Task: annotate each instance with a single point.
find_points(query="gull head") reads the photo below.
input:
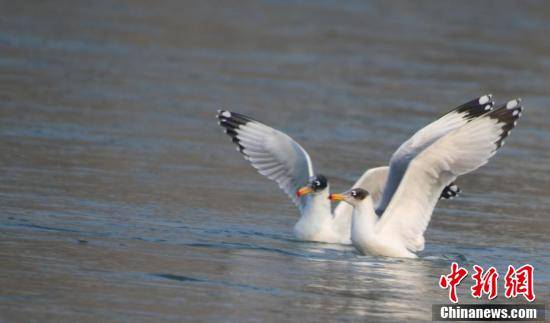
(352, 197)
(316, 184)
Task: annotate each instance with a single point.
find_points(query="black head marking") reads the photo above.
(358, 194)
(318, 182)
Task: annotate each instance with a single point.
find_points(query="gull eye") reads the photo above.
(317, 183)
(359, 194)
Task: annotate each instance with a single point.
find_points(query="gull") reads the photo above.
(277, 156)
(423, 165)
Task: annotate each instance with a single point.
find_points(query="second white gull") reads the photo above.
(419, 169)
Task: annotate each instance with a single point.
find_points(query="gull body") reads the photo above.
(317, 223)
(399, 231)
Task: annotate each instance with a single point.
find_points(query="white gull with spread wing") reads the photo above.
(422, 166)
(278, 157)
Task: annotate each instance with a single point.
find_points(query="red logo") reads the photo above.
(519, 282)
(452, 280)
(485, 283)
(516, 282)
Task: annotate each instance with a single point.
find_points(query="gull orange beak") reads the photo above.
(303, 191)
(336, 197)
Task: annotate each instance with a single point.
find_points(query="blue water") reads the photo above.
(122, 200)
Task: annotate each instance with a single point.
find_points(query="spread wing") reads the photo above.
(458, 152)
(452, 120)
(273, 153)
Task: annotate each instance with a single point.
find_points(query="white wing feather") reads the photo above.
(454, 119)
(459, 152)
(273, 153)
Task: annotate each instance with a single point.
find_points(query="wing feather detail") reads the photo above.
(458, 152)
(271, 152)
(452, 120)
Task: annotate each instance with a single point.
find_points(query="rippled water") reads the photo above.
(121, 200)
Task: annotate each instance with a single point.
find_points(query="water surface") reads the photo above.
(122, 200)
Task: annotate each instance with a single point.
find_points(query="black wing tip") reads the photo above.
(476, 107)
(450, 192)
(233, 116)
(508, 115)
(231, 121)
(221, 113)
